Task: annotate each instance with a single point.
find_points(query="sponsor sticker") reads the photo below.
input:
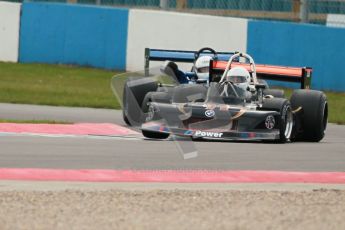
(270, 122)
(209, 113)
(200, 133)
(188, 132)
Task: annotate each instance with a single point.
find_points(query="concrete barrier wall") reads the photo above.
(169, 30)
(292, 44)
(115, 38)
(9, 31)
(74, 34)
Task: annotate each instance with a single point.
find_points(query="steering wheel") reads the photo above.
(212, 51)
(227, 84)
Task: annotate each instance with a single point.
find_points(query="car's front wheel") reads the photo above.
(155, 135)
(285, 123)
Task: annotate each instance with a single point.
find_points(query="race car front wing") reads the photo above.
(211, 134)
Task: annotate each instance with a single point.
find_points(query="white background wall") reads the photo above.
(336, 20)
(169, 30)
(9, 31)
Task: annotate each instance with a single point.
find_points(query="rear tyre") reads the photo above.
(263, 82)
(161, 97)
(155, 135)
(277, 93)
(189, 93)
(282, 106)
(314, 116)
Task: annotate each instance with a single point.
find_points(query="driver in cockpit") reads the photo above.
(240, 78)
(199, 74)
(202, 69)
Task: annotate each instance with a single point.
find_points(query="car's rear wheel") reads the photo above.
(282, 106)
(161, 97)
(278, 93)
(263, 82)
(155, 135)
(314, 114)
(189, 93)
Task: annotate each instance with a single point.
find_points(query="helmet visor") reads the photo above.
(205, 69)
(237, 79)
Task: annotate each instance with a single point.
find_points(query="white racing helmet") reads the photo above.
(240, 77)
(202, 67)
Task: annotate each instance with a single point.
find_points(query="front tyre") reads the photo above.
(125, 118)
(155, 135)
(286, 124)
(282, 106)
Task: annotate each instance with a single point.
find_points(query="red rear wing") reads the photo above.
(267, 72)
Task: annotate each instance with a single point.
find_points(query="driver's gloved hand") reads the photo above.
(251, 88)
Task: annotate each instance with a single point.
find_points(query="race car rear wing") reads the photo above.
(268, 72)
(178, 56)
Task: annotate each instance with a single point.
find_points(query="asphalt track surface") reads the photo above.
(21, 151)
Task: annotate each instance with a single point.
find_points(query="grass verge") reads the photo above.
(44, 84)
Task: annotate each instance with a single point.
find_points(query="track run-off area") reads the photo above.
(97, 173)
(102, 142)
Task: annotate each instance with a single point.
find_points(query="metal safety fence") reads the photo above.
(314, 11)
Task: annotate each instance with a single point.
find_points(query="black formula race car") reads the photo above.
(160, 106)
